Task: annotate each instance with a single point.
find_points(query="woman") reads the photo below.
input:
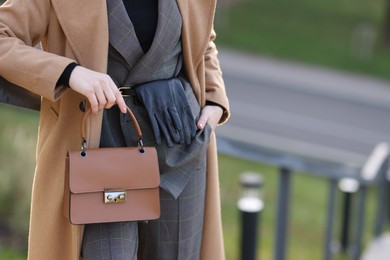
(82, 64)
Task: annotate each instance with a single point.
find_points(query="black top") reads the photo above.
(144, 15)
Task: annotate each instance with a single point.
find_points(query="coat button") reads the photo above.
(83, 105)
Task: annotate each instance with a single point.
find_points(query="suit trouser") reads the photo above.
(177, 233)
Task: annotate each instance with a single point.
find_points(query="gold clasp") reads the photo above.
(115, 196)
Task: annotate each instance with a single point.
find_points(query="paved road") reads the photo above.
(311, 112)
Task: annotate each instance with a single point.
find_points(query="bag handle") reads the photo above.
(135, 123)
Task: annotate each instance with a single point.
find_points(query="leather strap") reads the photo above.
(135, 123)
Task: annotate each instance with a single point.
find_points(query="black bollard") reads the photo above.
(348, 186)
(250, 205)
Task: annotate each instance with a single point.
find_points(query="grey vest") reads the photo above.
(128, 65)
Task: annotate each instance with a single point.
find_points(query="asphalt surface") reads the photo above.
(302, 110)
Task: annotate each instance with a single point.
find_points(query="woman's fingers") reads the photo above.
(101, 97)
(94, 103)
(99, 89)
(121, 102)
(210, 115)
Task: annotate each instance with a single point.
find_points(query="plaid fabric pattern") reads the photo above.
(110, 241)
(122, 32)
(163, 60)
(178, 232)
(176, 235)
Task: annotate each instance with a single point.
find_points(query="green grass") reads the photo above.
(310, 31)
(11, 254)
(18, 132)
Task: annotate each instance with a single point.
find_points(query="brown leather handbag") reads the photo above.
(112, 184)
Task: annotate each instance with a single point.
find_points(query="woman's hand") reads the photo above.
(211, 115)
(99, 89)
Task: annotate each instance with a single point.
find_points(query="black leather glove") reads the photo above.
(169, 111)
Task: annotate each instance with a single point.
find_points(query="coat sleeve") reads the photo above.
(23, 24)
(215, 86)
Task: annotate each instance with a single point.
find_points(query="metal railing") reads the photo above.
(353, 183)
(373, 173)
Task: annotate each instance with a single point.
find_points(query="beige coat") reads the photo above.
(74, 30)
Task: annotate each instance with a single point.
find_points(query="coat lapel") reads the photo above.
(85, 22)
(167, 33)
(122, 33)
(163, 51)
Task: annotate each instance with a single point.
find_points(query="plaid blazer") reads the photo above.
(163, 60)
(129, 65)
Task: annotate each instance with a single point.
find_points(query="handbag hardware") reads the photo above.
(115, 196)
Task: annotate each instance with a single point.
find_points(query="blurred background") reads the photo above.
(309, 86)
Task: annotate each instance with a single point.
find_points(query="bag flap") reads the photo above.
(113, 168)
